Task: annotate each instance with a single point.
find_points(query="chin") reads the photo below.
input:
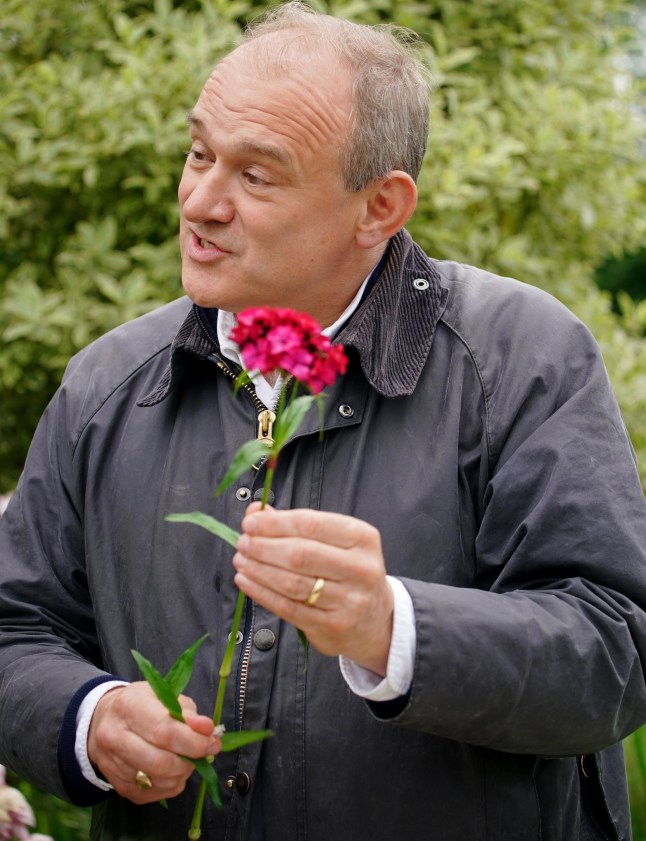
(212, 299)
(205, 294)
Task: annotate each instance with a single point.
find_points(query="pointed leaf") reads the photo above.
(182, 669)
(159, 686)
(320, 405)
(302, 638)
(248, 455)
(198, 518)
(239, 738)
(289, 420)
(210, 777)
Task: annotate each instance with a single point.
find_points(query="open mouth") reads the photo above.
(200, 247)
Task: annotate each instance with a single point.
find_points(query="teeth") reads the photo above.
(206, 244)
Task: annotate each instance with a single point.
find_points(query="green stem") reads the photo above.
(269, 475)
(225, 669)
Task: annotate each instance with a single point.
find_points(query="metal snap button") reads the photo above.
(421, 283)
(230, 783)
(345, 410)
(243, 494)
(243, 782)
(264, 639)
(270, 496)
(238, 637)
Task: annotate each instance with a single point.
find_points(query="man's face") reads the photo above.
(265, 218)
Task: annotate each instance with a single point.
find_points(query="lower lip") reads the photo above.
(202, 255)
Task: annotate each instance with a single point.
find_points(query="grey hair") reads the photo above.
(390, 90)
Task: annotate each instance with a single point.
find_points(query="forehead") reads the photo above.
(297, 111)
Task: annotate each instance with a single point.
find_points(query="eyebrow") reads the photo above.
(246, 147)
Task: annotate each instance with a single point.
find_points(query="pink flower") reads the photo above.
(15, 815)
(288, 341)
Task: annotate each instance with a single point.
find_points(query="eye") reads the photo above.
(197, 156)
(253, 179)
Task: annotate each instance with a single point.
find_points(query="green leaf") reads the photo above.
(182, 669)
(291, 418)
(159, 686)
(198, 518)
(240, 738)
(242, 379)
(248, 454)
(302, 638)
(210, 777)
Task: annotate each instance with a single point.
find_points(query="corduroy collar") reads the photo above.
(392, 330)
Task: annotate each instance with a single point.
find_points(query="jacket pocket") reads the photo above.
(594, 801)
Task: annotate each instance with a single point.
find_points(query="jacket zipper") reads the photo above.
(244, 664)
(266, 419)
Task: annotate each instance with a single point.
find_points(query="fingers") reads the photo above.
(327, 527)
(282, 554)
(132, 731)
(309, 543)
(281, 580)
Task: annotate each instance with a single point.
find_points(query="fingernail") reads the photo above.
(250, 523)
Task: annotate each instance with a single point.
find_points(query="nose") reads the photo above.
(204, 196)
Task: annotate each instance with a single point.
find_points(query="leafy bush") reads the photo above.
(532, 167)
(92, 128)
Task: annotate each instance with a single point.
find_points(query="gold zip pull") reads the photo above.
(266, 420)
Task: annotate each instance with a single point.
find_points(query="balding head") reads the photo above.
(388, 123)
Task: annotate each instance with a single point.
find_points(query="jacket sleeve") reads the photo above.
(545, 655)
(48, 641)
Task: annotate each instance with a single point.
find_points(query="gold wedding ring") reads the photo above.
(315, 592)
(143, 781)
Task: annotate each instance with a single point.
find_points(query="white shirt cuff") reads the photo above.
(83, 719)
(401, 658)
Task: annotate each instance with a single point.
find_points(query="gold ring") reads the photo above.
(315, 592)
(143, 781)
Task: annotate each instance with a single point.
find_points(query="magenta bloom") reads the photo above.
(290, 341)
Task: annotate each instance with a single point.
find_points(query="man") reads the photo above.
(473, 511)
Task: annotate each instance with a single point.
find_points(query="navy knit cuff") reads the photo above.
(389, 709)
(78, 789)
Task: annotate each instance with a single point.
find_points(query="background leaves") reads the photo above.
(534, 167)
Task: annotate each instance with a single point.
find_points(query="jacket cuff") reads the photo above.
(389, 709)
(79, 791)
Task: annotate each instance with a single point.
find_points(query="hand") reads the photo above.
(132, 731)
(282, 553)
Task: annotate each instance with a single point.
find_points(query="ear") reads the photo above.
(389, 205)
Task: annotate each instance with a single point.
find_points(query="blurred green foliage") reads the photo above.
(533, 167)
(533, 170)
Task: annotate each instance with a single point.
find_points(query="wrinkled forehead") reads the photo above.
(306, 113)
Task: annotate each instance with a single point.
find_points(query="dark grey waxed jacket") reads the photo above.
(477, 431)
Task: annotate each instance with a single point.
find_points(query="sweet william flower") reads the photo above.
(282, 339)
